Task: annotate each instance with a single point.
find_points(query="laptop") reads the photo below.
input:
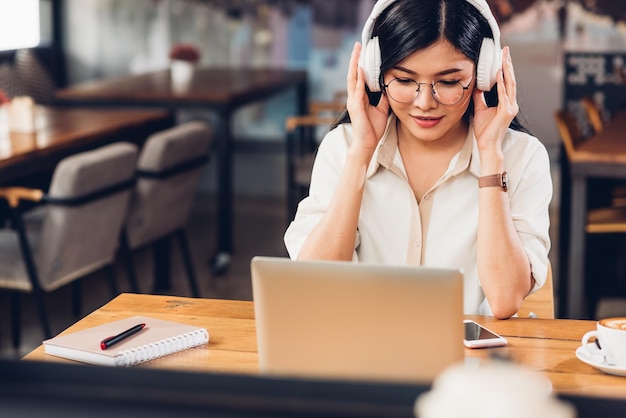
(356, 321)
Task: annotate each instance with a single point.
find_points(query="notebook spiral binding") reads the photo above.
(161, 348)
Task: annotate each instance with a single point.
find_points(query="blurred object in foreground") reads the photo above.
(493, 389)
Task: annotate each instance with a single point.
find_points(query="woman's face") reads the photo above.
(425, 118)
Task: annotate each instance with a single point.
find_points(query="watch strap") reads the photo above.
(493, 180)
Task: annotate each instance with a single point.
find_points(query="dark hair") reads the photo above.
(407, 26)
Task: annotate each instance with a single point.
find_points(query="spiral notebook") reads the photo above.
(158, 338)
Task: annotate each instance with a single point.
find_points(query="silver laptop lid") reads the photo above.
(356, 321)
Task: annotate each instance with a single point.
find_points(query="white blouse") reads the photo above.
(441, 230)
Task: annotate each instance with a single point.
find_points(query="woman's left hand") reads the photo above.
(491, 123)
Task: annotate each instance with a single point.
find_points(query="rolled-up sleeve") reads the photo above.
(529, 204)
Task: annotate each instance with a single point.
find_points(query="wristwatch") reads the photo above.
(495, 180)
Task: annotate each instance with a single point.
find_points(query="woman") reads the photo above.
(415, 176)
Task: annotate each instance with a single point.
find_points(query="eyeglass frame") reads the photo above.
(432, 89)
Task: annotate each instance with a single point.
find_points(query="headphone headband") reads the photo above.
(485, 10)
(490, 57)
(369, 25)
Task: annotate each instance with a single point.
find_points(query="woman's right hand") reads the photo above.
(368, 122)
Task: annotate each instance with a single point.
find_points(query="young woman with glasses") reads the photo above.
(430, 165)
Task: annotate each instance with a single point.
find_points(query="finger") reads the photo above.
(383, 103)
(507, 104)
(503, 98)
(353, 68)
(479, 100)
(509, 75)
(508, 63)
(359, 86)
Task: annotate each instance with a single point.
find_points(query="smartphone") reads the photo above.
(477, 336)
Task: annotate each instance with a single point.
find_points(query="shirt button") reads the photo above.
(416, 243)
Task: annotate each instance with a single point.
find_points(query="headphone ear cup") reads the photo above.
(489, 62)
(371, 64)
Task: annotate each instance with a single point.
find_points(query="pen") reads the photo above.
(109, 341)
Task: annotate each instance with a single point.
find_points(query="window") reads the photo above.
(19, 24)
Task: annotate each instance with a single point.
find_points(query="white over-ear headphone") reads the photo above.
(489, 58)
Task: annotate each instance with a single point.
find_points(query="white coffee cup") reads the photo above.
(610, 334)
(491, 389)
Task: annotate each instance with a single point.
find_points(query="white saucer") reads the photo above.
(597, 360)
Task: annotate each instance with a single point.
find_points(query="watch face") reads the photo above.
(505, 181)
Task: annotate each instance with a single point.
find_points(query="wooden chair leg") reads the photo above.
(185, 252)
(16, 319)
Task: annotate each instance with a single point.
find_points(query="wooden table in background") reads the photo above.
(61, 132)
(547, 346)
(602, 156)
(222, 90)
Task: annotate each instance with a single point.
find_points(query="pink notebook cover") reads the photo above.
(159, 338)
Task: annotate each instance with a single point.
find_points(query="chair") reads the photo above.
(303, 136)
(569, 131)
(609, 219)
(73, 231)
(597, 122)
(606, 217)
(541, 303)
(593, 113)
(168, 171)
(329, 108)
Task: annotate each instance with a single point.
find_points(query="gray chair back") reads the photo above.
(88, 199)
(168, 171)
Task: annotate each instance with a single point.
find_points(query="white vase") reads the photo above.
(22, 115)
(4, 119)
(181, 73)
(5, 136)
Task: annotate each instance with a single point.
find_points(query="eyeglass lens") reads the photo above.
(406, 90)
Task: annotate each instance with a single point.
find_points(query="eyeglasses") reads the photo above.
(405, 90)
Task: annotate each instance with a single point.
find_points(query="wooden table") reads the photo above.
(544, 345)
(61, 132)
(602, 156)
(222, 90)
